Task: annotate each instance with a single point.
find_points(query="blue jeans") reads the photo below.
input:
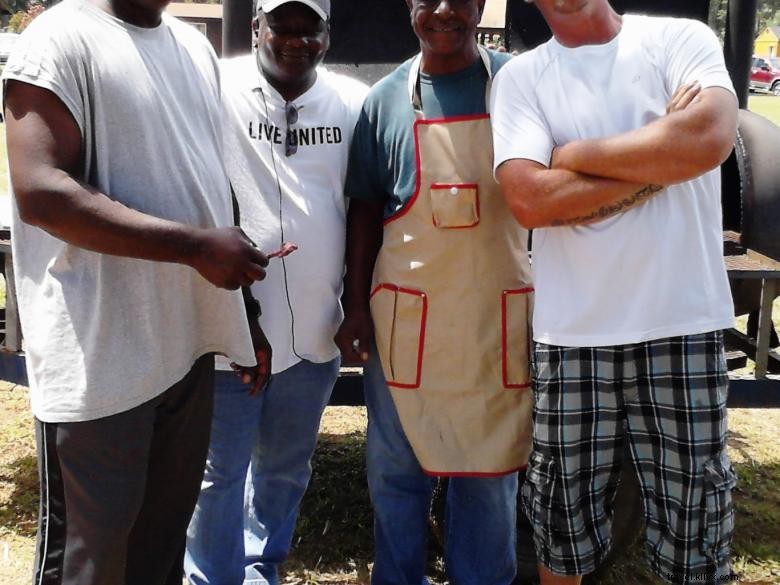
(480, 517)
(257, 471)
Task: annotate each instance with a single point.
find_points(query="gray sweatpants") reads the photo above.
(117, 493)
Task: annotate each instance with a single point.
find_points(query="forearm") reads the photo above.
(251, 304)
(44, 146)
(81, 215)
(364, 238)
(646, 155)
(45, 161)
(541, 197)
(616, 199)
(672, 149)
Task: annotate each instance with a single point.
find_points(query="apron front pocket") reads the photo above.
(455, 205)
(399, 316)
(515, 354)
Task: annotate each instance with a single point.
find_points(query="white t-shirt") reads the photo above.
(312, 214)
(656, 270)
(104, 334)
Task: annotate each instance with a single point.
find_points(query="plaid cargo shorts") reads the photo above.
(668, 397)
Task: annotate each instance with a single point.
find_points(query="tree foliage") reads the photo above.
(15, 23)
(717, 20)
(22, 19)
(767, 13)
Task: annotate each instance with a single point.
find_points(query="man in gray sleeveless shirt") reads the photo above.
(123, 246)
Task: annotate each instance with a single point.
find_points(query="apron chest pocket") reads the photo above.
(399, 317)
(455, 205)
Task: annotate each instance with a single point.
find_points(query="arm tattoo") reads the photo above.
(612, 209)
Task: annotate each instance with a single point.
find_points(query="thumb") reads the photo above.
(360, 348)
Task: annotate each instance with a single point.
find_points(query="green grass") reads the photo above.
(3, 163)
(766, 105)
(333, 539)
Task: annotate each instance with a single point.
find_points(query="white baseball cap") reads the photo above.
(321, 7)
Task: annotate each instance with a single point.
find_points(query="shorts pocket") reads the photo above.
(515, 354)
(399, 316)
(455, 205)
(538, 497)
(717, 513)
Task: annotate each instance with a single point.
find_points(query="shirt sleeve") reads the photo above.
(498, 60)
(362, 180)
(693, 54)
(357, 96)
(45, 56)
(520, 130)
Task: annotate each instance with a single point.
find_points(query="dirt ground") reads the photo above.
(333, 540)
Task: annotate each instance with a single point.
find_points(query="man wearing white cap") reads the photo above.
(287, 129)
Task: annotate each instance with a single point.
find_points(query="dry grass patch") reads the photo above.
(755, 451)
(333, 542)
(18, 486)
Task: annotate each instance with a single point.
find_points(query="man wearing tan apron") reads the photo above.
(446, 285)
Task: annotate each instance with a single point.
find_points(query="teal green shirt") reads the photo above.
(381, 159)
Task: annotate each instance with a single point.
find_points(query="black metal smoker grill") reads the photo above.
(370, 38)
(752, 254)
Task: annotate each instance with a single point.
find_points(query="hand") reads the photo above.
(354, 336)
(685, 95)
(256, 377)
(555, 158)
(227, 258)
(560, 157)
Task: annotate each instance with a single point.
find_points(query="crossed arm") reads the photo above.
(590, 180)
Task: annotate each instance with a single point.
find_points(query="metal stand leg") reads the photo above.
(768, 293)
(13, 330)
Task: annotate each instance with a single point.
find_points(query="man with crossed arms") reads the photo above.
(631, 287)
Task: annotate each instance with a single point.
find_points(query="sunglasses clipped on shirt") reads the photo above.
(290, 137)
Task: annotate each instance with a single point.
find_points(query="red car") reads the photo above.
(765, 74)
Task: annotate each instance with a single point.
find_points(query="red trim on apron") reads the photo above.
(417, 180)
(421, 338)
(504, 335)
(467, 118)
(448, 186)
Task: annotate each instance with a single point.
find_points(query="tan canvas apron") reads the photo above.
(450, 301)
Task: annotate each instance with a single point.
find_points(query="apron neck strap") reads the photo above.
(415, 93)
